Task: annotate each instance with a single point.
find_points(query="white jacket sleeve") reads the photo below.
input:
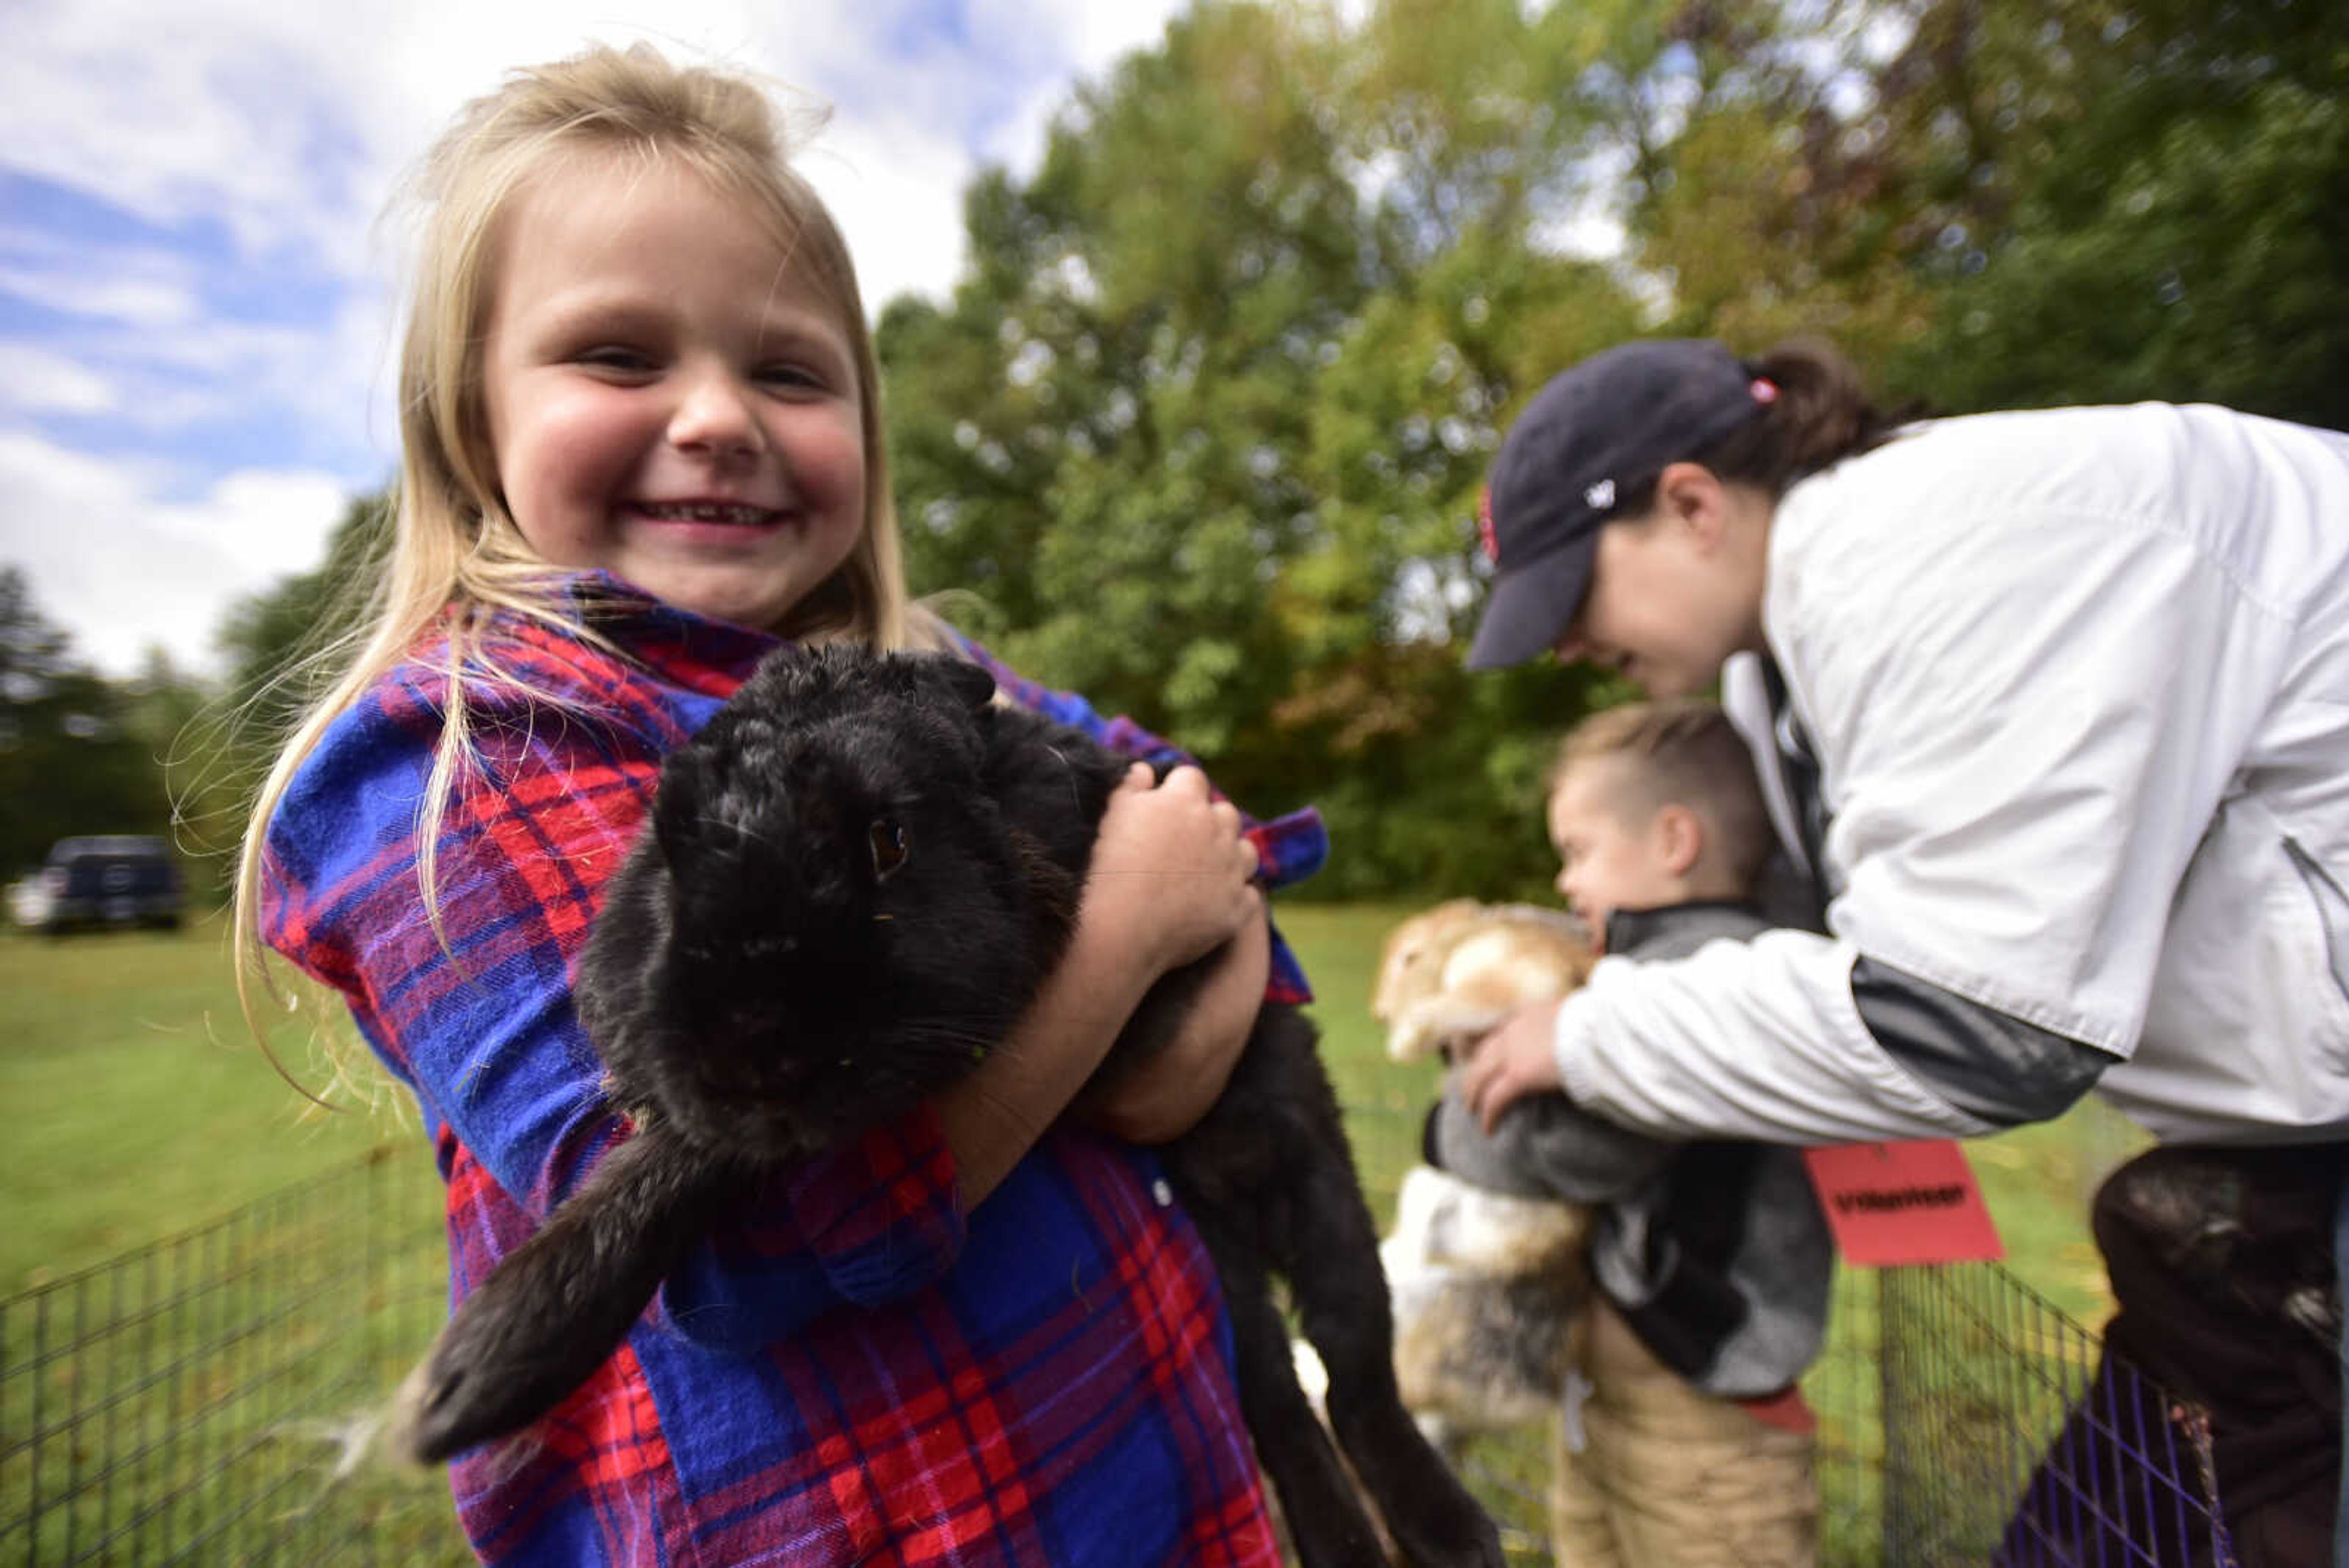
(1755, 1040)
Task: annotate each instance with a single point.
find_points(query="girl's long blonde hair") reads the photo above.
(456, 559)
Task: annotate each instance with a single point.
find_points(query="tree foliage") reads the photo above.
(280, 642)
(283, 645)
(2165, 211)
(1203, 425)
(78, 753)
(2005, 204)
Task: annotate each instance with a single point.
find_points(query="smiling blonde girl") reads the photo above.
(640, 446)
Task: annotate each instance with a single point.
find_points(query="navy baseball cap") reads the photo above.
(1595, 433)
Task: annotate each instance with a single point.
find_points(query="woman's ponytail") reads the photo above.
(1815, 413)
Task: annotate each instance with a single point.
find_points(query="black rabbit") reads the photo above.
(854, 880)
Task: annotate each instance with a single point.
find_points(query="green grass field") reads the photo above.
(142, 1104)
(142, 1108)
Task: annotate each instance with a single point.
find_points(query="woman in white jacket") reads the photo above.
(2053, 710)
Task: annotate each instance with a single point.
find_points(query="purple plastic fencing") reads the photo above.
(2012, 1438)
(2125, 1482)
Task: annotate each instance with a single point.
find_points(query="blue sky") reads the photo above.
(197, 296)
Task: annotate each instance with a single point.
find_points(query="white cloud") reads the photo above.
(140, 285)
(290, 126)
(124, 570)
(1090, 39)
(37, 381)
(174, 114)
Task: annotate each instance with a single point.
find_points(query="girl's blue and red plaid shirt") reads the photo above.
(859, 1371)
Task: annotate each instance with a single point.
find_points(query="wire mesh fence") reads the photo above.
(2010, 1438)
(211, 1398)
(1963, 1419)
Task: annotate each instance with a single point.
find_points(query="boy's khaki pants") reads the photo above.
(1666, 1477)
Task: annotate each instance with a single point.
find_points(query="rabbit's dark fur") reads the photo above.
(854, 881)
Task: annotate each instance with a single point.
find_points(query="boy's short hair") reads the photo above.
(1683, 753)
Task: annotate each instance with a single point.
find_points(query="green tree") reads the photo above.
(279, 642)
(1102, 434)
(1204, 422)
(1758, 179)
(168, 711)
(2164, 209)
(73, 757)
(1999, 203)
(281, 645)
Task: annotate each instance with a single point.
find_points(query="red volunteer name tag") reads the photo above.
(1891, 1203)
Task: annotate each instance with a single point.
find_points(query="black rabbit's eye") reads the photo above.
(888, 842)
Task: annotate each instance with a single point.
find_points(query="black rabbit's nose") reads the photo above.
(774, 1076)
(772, 947)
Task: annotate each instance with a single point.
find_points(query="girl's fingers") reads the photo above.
(1186, 780)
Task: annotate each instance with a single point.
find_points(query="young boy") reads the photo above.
(1684, 1442)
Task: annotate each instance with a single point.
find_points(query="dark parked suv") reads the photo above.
(115, 880)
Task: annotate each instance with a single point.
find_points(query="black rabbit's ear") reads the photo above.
(968, 681)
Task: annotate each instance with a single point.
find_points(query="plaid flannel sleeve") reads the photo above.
(475, 1015)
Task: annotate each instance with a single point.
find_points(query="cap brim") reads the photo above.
(1529, 607)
